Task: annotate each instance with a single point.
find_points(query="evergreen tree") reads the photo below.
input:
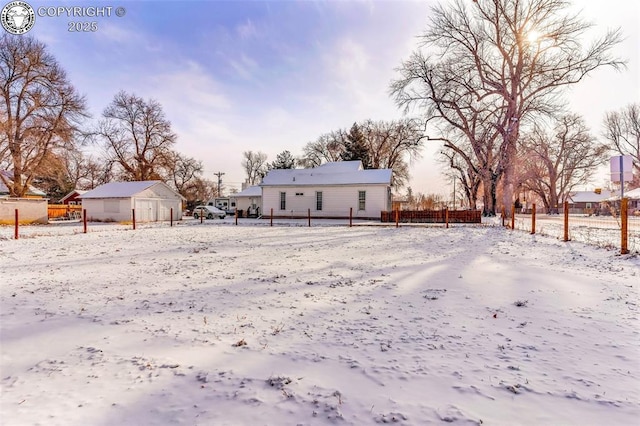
(355, 147)
(284, 160)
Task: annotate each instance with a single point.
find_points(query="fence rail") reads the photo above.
(433, 216)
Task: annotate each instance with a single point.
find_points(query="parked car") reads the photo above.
(208, 212)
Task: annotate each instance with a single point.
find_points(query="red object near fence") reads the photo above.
(566, 221)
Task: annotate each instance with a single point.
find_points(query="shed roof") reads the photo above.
(336, 173)
(121, 189)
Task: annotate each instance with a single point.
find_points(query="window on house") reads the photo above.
(299, 194)
(283, 201)
(362, 200)
(318, 200)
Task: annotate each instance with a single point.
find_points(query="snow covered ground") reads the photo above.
(215, 324)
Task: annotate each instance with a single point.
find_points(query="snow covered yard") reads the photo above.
(213, 324)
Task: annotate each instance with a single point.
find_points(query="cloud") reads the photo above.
(247, 30)
(244, 66)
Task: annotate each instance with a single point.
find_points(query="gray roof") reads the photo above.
(252, 191)
(120, 189)
(337, 173)
(589, 196)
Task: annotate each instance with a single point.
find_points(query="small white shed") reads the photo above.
(331, 190)
(153, 201)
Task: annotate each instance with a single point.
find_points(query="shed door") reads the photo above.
(144, 211)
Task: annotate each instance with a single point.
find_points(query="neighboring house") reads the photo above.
(633, 203)
(249, 201)
(152, 200)
(32, 192)
(329, 191)
(587, 202)
(73, 197)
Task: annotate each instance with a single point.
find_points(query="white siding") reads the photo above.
(336, 200)
(243, 203)
(108, 209)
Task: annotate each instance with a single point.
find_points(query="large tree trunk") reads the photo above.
(489, 186)
(508, 167)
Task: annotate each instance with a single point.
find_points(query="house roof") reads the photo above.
(70, 194)
(252, 191)
(337, 173)
(9, 176)
(589, 196)
(121, 189)
(634, 194)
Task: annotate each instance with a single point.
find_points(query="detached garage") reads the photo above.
(115, 201)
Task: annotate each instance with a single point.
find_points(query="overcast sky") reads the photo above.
(267, 76)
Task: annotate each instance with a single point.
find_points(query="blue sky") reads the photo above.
(267, 76)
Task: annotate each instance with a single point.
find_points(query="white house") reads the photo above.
(329, 191)
(115, 201)
(249, 201)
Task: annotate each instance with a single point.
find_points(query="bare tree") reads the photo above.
(254, 165)
(40, 112)
(328, 148)
(199, 191)
(556, 160)
(622, 130)
(513, 56)
(466, 174)
(137, 137)
(393, 145)
(183, 172)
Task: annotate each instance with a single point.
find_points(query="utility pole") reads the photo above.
(219, 174)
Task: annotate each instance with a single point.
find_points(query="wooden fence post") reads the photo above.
(446, 217)
(84, 220)
(513, 217)
(236, 212)
(201, 217)
(533, 219)
(350, 217)
(624, 222)
(271, 224)
(309, 216)
(133, 216)
(15, 231)
(566, 221)
(503, 215)
(397, 218)
(171, 220)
